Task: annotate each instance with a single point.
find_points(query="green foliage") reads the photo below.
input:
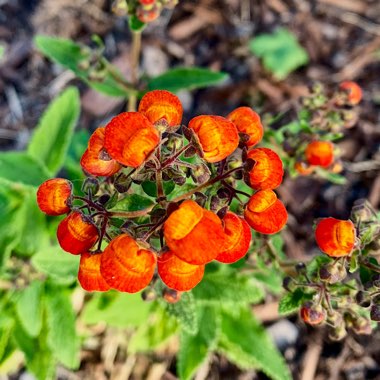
(280, 51)
(54, 132)
(133, 202)
(101, 76)
(194, 349)
(135, 24)
(186, 78)
(291, 302)
(335, 178)
(245, 342)
(150, 187)
(116, 309)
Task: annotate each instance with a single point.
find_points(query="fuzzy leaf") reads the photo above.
(291, 302)
(194, 349)
(51, 139)
(133, 202)
(186, 78)
(245, 342)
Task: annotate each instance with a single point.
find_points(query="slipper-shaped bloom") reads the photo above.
(267, 171)
(89, 275)
(238, 239)
(178, 274)
(95, 159)
(248, 121)
(217, 136)
(127, 266)
(160, 105)
(335, 237)
(320, 153)
(130, 138)
(194, 234)
(265, 213)
(76, 233)
(53, 196)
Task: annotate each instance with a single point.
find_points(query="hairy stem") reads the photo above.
(135, 58)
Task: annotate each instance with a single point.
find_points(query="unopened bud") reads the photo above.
(200, 174)
(171, 295)
(335, 318)
(363, 299)
(333, 272)
(338, 333)
(122, 183)
(148, 295)
(312, 314)
(175, 142)
(362, 211)
(90, 186)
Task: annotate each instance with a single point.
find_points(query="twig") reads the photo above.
(311, 359)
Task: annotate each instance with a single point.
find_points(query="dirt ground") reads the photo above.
(342, 38)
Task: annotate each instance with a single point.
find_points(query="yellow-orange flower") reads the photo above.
(53, 196)
(303, 168)
(95, 159)
(267, 172)
(194, 234)
(238, 239)
(76, 233)
(248, 121)
(178, 274)
(335, 237)
(217, 136)
(265, 213)
(354, 92)
(161, 105)
(126, 266)
(320, 153)
(89, 275)
(130, 138)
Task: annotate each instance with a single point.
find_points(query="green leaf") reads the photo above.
(116, 309)
(33, 232)
(6, 327)
(291, 302)
(153, 333)
(280, 51)
(78, 58)
(180, 190)
(51, 139)
(194, 349)
(150, 187)
(62, 337)
(186, 78)
(135, 24)
(228, 287)
(57, 264)
(133, 202)
(12, 217)
(20, 167)
(246, 343)
(335, 178)
(185, 312)
(29, 308)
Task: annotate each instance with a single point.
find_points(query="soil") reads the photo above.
(342, 38)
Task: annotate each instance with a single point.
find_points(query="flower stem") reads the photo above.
(135, 58)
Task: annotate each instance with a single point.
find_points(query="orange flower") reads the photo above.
(95, 159)
(126, 266)
(313, 315)
(89, 275)
(217, 136)
(130, 138)
(265, 213)
(76, 233)
(53, 196)
(177, 274)
(247, 121)
(320, 153)
(354, 92)
(303, 168)
(335, 237)
(267, 172)
(194, 234)
(161, 105)
(238, 238)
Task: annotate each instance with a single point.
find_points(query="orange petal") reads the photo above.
(161, 105)
(320, 153)
(217, 136)
(265, 213)
(335, 237)
(76, 233)
(248, 121)
(303, 168)
(130, 138)
(177, 274)
(126, 266)
(89, 275)
(198, 240)
(238, 239)
(95, 159)
(354, 91)
(267, 172)
(53, 195)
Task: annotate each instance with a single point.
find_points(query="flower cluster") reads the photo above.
(332, 292)
(192, 178)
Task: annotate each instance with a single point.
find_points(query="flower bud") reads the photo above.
(149, 294)
(90, 186)
(171, 295)
(122, 183)
(362, 326)
(353, 90)
(333, 272)
(200, 174)
(289, 284)
(312, 314)
(338, 332)
(363, 299)
(320, 153)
